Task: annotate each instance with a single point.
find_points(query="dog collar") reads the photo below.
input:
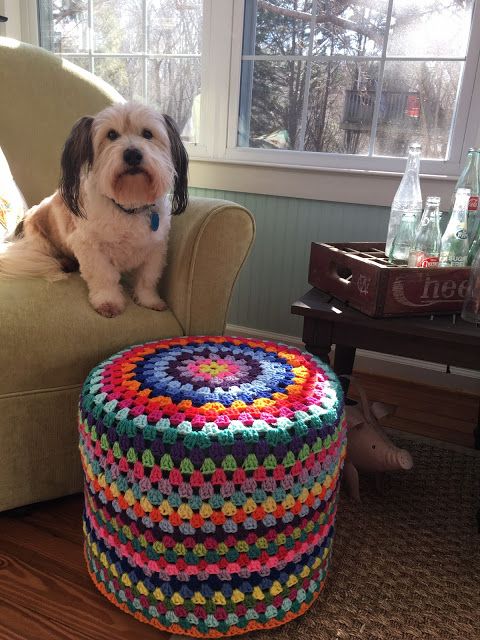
(154, 217)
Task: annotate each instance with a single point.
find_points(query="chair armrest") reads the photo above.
(208, 245)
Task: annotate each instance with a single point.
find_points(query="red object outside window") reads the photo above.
(413, 106)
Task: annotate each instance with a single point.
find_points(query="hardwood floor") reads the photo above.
(45, 591)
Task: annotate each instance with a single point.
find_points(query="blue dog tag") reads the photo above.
(154, 221)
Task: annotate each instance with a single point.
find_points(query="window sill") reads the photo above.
(312, 183)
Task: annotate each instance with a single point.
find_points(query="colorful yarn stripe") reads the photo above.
(211, 480)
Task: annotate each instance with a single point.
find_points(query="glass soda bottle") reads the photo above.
(404, 239)
(474, 248)
(470, 179)
(471, 304)
(408, 196)
(425, 251)
(454, 248)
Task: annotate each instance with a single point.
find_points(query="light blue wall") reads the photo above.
(276, 271)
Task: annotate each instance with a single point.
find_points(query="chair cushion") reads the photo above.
(51, 337)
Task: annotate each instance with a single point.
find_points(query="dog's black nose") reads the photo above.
(133, 157)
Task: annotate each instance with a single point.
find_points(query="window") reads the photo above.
(356, 80)
(363, 77)
(149, 50)
(341, 84)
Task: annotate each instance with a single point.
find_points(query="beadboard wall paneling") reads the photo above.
(276, 271)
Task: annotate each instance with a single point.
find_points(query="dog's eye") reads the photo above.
(146, 133)
(112, 134)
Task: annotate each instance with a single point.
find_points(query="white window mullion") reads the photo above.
(145, 51)
(235, 78)
(378, 93)
(218, 43)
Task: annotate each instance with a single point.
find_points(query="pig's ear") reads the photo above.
(355, 417)
(381, 409)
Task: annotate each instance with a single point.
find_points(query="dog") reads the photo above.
(111, 213)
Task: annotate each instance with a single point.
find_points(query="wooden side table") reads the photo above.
(328, 321)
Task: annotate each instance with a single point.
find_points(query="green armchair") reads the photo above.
(50, 337)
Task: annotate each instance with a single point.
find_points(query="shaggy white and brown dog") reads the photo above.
(111, 213)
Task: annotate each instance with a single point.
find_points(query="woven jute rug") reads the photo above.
(407, 563)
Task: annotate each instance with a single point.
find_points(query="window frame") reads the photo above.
(465, 132)
(217, 162)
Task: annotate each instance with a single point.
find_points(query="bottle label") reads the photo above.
(473, 203)
(422, 260)
(457, 261)
(461, 234)
(429, 261)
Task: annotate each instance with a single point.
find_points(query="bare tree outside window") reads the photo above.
(355, 77)
(149, 50)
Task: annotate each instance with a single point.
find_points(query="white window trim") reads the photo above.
(217, 163)
(22, 21)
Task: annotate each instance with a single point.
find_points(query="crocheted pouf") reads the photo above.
(211, 481)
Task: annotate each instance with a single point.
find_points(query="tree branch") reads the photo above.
(322, 17)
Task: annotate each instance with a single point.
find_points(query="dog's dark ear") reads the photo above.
(77, 152)
(180, 162)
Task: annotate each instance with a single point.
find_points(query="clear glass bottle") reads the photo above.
(471, 304)
(470, 179)
(403, 241)
(474, 248)
(408, 196)
(425, 251)
(454, 249)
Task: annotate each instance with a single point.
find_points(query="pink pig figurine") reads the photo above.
(368, 447)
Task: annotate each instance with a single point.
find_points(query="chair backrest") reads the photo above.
(41, 96)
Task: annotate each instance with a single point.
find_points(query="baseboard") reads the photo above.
(431, 373)
(246, 332)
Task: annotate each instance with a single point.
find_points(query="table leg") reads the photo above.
(476, 436)
(316, 336)
(343, 363)
(321, 352)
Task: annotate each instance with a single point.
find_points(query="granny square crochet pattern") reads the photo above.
(211, 482)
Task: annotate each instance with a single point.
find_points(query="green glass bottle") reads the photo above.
(404, 239)
(454, 248)
(474, 248)
(471, 304)
(470, 179)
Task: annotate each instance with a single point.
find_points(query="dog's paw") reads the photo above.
(108, 304)
(109, 309)
(152, 301)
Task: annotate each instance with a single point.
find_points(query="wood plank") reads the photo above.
(429, 431)
(460, 406)
(64, 555)
(60, 518)
(19, 623)
(59, 599)
(446, 422)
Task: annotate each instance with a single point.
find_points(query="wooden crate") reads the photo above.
(360, 274)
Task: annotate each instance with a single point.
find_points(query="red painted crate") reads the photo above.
(360, 274)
